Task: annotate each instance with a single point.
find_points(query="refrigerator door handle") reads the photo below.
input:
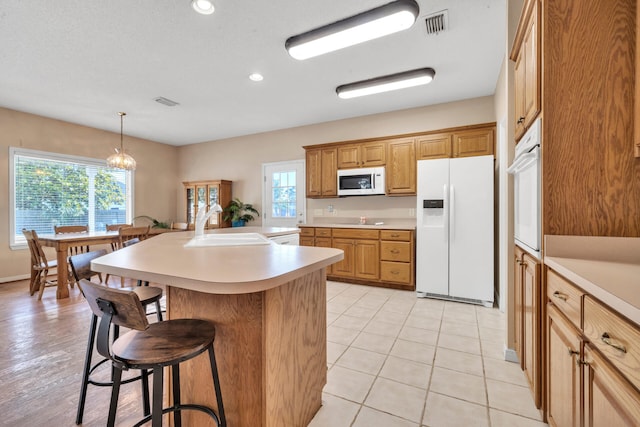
(452, 202)
(445, 196)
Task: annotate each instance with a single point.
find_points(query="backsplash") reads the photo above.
(348, 210)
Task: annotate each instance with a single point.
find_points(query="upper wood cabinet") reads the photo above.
(362, 155)
(637, 87)
(321, 171)
(474, 142)
(434, 146)
(204, 194)
(526, 54)
(463, 142)
(401, 167)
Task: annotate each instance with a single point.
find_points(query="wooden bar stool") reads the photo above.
(81, 268)
(151, 346)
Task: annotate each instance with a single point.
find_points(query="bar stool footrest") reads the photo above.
(182, 407)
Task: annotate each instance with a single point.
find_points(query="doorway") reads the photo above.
(283, 194)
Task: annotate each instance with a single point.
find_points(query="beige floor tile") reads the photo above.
(334, 351)
(456, 342)
(371, 301)
(361, 360)
(348, 384)
(356, 290)
(459, 385)
(390, 317)
(504, 419)
(335, 412)
(424, 336)
(459, 361)
(406, 371)
(420, 320)
(492, 335)
(340, 335)
(491, 321)
(350, 322)
(355, 311)
(336, 307)
(512, 398)
(398, 306)
(459, 307)
(331, 317)
(459, 317)
(383, 328)
(374, 342)
(344, 299)
(445, 411)
(369, 417)
(469, 330)
(504, 371)
(429, 302)
(413, 351)
(493, 350)
(397, 399)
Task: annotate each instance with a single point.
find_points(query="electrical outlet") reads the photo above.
(330, 208)
(334, 212)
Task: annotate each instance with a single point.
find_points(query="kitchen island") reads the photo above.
(269, 305)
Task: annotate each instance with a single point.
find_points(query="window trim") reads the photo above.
(47, 155)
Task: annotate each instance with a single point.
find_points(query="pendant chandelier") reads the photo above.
(121, 160)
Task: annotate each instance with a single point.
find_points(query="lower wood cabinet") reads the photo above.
(529, 315)
(371, 256)
(592, 363)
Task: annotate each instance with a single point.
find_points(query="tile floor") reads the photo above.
(400, 361)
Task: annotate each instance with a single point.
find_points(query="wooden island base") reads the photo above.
(270, 348)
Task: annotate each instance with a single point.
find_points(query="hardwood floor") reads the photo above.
(42, 352)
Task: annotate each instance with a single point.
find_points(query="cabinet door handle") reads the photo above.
(572, 352)
(558, 295)
(394, 251)
(521, 120)
(581, 362)
(395, 235)
(607, 340)
(396, 272)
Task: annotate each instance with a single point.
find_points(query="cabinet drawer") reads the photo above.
(402, 235)
(395, 272)
(306, 241)
(395, 251)
(615, 337)
(323, 232)
(306, 231)
(565, 296)
(355, 233)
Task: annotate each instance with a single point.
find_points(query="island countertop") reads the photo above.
(221, 270)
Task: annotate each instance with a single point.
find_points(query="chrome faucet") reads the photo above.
(203, 216)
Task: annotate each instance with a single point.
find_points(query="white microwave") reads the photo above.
(361, 182)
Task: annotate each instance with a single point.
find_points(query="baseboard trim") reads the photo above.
(14, 278)
(510, 355)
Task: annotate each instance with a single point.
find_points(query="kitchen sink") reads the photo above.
(232, 239)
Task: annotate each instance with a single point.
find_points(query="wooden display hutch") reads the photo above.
(203, 194)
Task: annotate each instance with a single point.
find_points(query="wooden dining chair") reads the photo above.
(40, 266)
(116, 227)
(129, 233)
(73, 250)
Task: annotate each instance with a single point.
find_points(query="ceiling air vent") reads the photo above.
(164, 101)
(437, 22)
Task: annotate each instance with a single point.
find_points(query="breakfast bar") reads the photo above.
(269, 305)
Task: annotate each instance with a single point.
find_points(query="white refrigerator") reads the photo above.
(455, 229)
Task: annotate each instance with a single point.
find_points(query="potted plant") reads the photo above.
(239, 213)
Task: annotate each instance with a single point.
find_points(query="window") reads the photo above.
(50, 189)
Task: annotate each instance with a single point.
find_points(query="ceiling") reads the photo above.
(82, 61)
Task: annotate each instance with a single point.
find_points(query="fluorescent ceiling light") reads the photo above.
(381, 21)
(421, 76)
(205, 7)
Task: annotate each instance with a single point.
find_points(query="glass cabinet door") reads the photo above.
(214, 197)
(191, 206)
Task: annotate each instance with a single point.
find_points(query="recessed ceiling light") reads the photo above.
(256, 77)
(204, 7)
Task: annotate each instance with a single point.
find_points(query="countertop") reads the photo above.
(218, 270)
(606, 267)
(372, 226)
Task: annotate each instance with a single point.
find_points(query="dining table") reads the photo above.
(62, 243)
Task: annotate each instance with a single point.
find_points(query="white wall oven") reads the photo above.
(526, 188)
